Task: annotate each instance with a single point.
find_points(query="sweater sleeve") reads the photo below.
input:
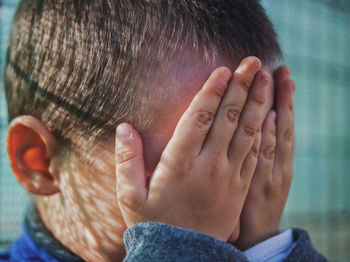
(303, 249)
(153, 241)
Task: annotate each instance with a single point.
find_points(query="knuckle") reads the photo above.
(125, 155)
(284, 170)
(289, 176)
(204, 119)
(259, 97)
(249, 131)
(288, 135)
(233, 113)
(269, 152)
(254, 151)
(245, 84)
(243, 81)
(215, 167)
(264, 78)
(269, 189)
(258, 135)
(272, 131)
(266, 166)
(219, 89)
(224, 74)
(128, 200)
(291, 106)
(286, 180)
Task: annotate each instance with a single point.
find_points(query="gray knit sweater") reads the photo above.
(160, 242)
(145, 242)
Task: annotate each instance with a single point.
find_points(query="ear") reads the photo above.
(30, 148)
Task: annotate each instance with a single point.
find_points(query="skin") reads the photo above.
(81, 208)
(193, 154)
(262, 211)
(186, 75)
(212, 153)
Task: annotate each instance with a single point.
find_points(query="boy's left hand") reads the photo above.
(203, 176)
(262, 210)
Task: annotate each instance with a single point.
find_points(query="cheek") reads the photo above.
(98, 170)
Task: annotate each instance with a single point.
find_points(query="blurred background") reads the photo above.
(315, 38)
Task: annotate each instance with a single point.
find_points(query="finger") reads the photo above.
(250, 121)
(284, 126)
(267, 150)
(195, 123)
(130, 169)
(281, 74)
(226, 120)
(250, 162)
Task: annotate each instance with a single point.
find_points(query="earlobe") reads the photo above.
(30, 147)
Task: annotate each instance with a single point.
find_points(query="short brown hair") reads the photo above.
(79, 66)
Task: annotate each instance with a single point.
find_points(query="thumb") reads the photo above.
(130, 170)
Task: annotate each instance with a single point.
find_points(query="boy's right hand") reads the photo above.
(199, 183)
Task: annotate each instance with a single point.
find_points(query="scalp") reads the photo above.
(83, 67)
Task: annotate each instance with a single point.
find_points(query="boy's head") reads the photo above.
(82, 67)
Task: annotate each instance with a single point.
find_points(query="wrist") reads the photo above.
(245, 242)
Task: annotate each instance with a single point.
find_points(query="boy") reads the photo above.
(77, 69)
(217, 158)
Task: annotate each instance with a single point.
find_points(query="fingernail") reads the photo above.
(241, 68)
(254, 63)
(123, 131)
(273, 115)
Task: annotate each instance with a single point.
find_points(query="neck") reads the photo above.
(84, 224)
